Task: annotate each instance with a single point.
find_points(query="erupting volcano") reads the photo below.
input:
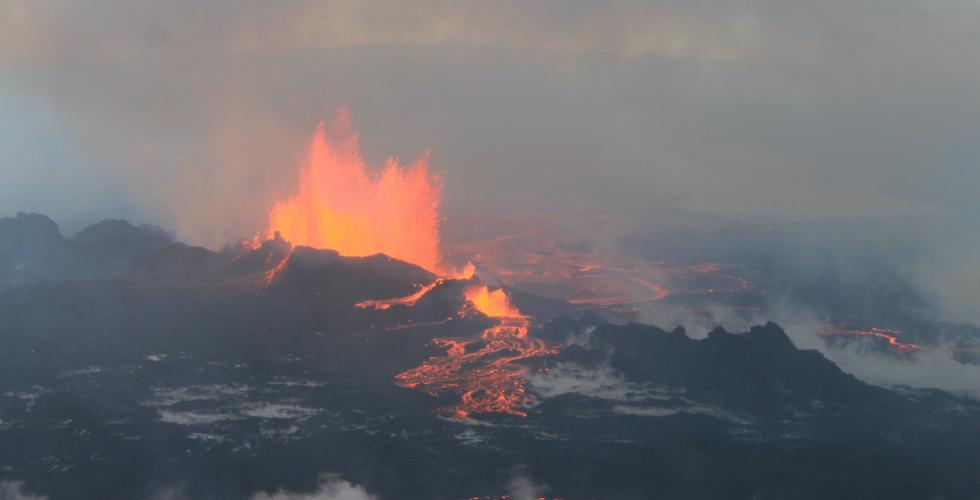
(341, 206)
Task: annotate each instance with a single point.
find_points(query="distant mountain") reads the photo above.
(28, 236)
(33, 250)
(112, 243)
(759, 371)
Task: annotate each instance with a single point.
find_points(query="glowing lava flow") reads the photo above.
(483, 370)
(340, 206)
(889, 336)
(271, 274)
(410, 300)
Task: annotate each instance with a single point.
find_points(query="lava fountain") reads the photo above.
(341, 206)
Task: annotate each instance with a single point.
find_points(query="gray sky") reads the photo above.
(195, 115)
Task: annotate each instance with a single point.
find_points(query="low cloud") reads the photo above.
(929, 368)
(521, 486)
(601, 382)
(14, 490)
(933, 367)
(330, 487)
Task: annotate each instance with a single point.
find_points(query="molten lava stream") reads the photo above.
(271, 274)
(339, 206)
(483, 370)
(408, 300)
(890, 336)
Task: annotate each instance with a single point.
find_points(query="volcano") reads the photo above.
(339, 340)
(259, 366)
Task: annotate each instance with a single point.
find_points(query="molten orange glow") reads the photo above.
(253, 244)
(890, 336)
(545, 258)
(484, 370)
(271, 274)
(408, 300)
(467, 273)
(340, 206)
(494, 304)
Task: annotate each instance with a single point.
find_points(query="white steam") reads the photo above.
(14, 490)
(330, 487)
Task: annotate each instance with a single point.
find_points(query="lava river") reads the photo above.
(341, 205)
(484, 370)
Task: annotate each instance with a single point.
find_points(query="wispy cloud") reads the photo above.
(15, 490)
(330, 487)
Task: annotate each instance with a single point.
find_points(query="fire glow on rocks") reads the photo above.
(341, 206)
(890, 337)
(484, 370)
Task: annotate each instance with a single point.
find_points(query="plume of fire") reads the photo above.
(495, 304)
(341, 206)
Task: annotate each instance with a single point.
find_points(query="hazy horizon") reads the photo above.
(196, 117)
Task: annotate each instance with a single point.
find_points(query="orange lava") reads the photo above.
(253, 244)
(494, 304)
(539, 260)
(469, 270)
(271, 274)
(408, 300)
(889, 336)
(577, 260)
(483, 370)
(341, 206)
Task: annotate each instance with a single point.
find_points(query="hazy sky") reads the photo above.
(195, 115)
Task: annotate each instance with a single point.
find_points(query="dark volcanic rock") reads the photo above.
(32, 249)
(28, 236)
(759, 371)
(219, 374)
(310, 272)
(112, 243)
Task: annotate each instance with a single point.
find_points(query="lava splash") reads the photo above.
(483, 370)
(341, 206)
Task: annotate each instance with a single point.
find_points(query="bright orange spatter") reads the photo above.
(495, 303)
(341, 206)
(485, 370)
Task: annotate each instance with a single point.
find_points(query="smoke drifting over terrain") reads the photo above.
(330, 487)
(196, 116)
(462, 249)
(831, 147)
(759, 109)
(14, 490)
